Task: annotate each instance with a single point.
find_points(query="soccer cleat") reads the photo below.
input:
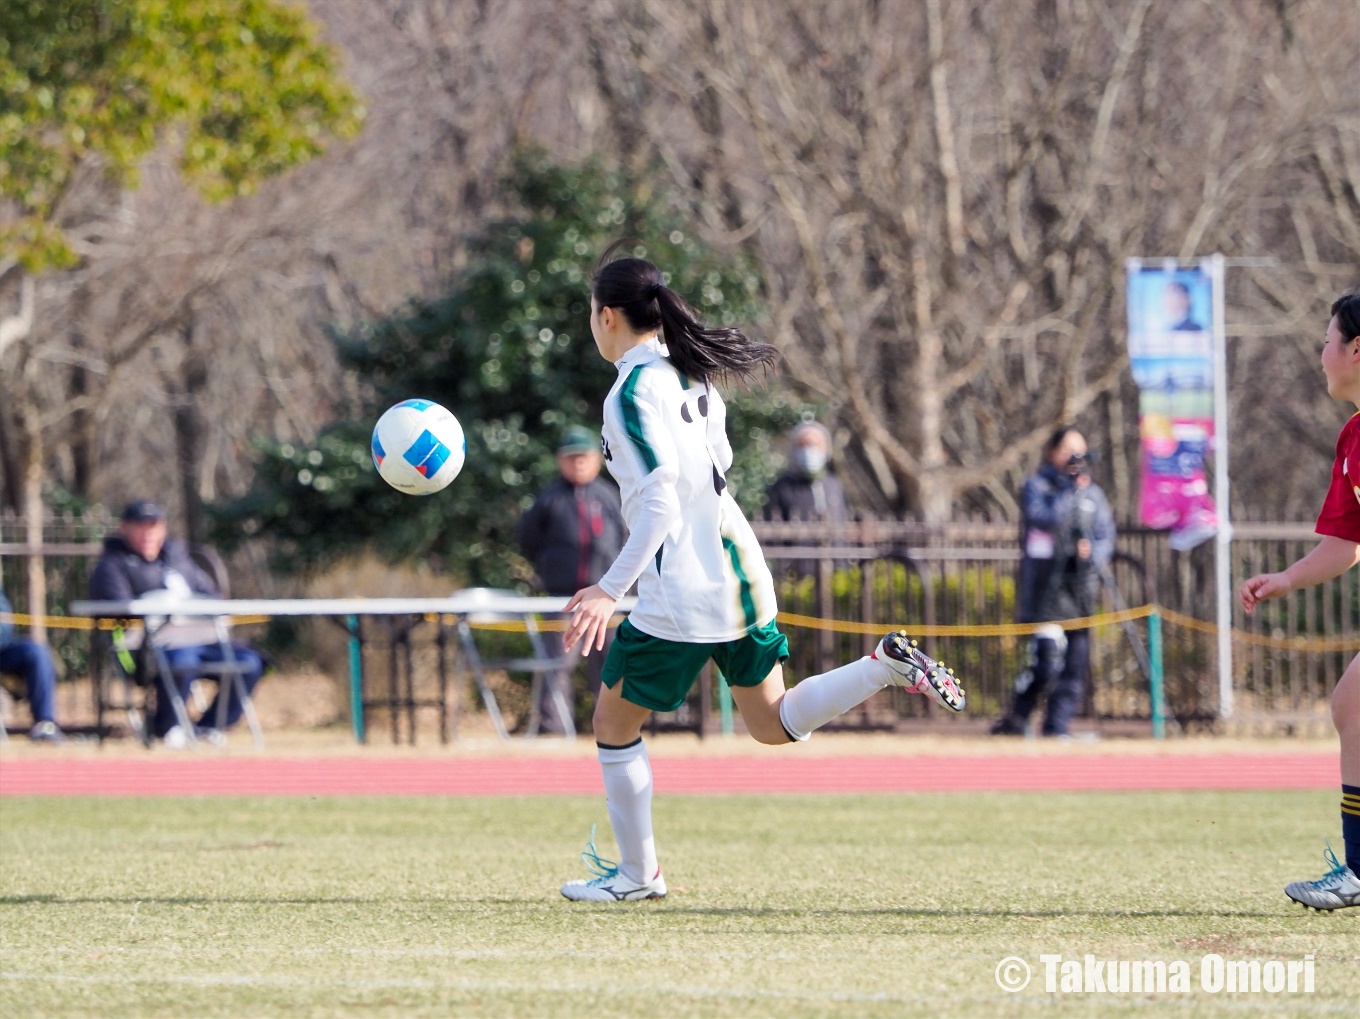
(609, 883)
(1337, 889)
(913, 669)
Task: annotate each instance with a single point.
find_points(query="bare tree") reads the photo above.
(945, 195)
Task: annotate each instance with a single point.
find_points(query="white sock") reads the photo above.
(818, 699)
(628, 787)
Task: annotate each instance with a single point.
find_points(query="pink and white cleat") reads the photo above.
(913, 669)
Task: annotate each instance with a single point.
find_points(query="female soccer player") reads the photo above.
(1337, 552)
(704, 590)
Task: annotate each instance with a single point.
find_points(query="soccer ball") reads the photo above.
(418, 447)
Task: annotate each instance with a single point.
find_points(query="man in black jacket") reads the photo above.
(808, 490)
(138, 559)
(1067, 541)
(572, 534)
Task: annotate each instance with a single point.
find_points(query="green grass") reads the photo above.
(790, 905)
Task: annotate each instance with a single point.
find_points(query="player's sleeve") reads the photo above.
(1340, 516)
(646, 409)
(717, 430)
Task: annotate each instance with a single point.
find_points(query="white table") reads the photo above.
(402, 614)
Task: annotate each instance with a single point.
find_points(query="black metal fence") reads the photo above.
(903, 573)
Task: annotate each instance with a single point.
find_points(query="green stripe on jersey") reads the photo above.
(632, 421)
(748, 605)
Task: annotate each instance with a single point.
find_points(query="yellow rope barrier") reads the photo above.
(1317, 644)
(87, 623)
(968, 630)
(1310, 644)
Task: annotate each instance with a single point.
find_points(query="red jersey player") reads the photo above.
(1338, 551)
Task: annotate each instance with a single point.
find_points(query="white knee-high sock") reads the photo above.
(818, 699)
(628, 787)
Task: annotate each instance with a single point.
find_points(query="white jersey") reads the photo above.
(700, 573)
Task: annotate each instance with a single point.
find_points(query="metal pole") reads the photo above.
(1223, 544)
(356, 678)
(1155, 683)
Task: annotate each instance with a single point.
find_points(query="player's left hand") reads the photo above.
(591, 611)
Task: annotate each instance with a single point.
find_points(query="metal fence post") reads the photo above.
(725, 704)
(356, 678)
(1155, 678)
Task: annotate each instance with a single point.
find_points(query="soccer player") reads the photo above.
(1339, 550)
(704, 590)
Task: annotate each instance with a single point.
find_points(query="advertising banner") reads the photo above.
(1172, 352)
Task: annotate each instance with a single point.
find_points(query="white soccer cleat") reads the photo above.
(614, 888)
(913, 669)
(609, 883)
(1337, 889)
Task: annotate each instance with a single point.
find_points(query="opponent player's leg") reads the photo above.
(1340, 886)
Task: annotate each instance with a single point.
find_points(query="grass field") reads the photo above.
(789, 905)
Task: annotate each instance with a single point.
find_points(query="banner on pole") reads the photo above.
(1172, 353)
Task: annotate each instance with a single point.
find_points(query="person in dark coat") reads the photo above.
(1067, 540)
(140, 558)
(572, 534)
(809, 491)
(32, 662)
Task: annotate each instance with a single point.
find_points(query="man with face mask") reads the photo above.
(808, 490)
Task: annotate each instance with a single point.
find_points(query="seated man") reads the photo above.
(31, 662)
(139, 559)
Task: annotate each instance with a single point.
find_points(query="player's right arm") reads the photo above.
(1332, 557)
(646, 411)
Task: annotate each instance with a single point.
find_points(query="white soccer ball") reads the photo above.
(418, 447)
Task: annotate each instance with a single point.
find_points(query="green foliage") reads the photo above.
(247, 82)
(509, 351)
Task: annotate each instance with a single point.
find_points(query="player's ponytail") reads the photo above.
(1346, 311)
(635, 287)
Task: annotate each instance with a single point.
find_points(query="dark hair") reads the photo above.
(1055, 440)
(1346, 311)
(636, 288)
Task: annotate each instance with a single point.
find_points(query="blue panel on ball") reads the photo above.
(417, 404)
(427, 454)
(378, 451)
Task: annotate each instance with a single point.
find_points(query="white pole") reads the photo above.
(1223, 544)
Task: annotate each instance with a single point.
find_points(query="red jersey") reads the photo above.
(1340, 516)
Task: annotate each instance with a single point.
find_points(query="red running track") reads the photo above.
(358, 776)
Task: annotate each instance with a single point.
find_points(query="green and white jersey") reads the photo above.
(700, 573)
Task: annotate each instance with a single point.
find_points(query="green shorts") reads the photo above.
(658, 673)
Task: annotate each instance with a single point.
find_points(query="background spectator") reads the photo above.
(572, 534)
(809, 489)
(1067, 540)
(140, 558)
(31, 662)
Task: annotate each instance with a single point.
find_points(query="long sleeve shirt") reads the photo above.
(701, 575)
